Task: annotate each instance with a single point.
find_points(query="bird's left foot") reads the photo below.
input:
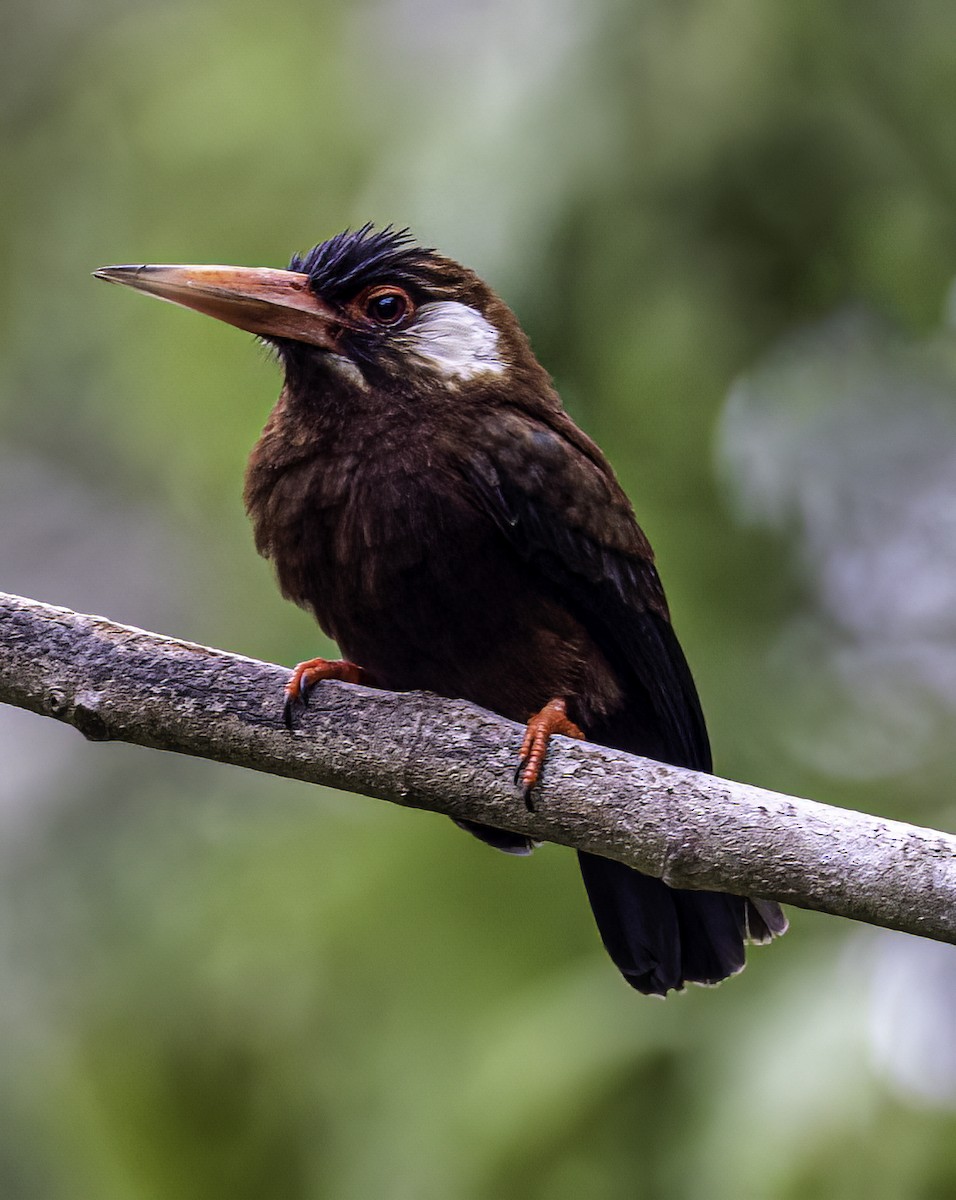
(553, 718)
(307, 674)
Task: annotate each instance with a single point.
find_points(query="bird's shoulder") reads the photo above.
(553, 492)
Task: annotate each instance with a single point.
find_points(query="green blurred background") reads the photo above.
(730, 229)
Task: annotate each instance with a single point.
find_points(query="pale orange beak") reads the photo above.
(270, 303)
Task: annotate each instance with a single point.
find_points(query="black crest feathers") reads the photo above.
(353, 260)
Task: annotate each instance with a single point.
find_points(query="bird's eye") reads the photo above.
(387, 305)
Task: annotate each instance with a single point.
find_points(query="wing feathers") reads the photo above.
(575, 527)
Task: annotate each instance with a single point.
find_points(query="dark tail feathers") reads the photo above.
(501, 839)
(661, 937)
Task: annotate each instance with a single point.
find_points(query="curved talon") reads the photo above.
(288, 709)
(526, 790)
(307, 674)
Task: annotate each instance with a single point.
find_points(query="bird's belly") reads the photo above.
(425, 593)
(463, 616)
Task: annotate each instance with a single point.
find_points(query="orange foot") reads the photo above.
(553, 718)
(308, 674)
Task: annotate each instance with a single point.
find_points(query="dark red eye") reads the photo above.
(387, 305)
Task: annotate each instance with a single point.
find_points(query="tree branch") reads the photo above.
(116, 682)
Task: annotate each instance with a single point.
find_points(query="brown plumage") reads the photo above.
(421, 490)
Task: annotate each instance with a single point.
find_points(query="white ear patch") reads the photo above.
(455, 339)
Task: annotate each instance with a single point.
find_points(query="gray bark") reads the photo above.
(115, 682)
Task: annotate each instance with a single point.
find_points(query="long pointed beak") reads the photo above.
(275, 304)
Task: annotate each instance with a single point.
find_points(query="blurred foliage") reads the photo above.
(221, 985)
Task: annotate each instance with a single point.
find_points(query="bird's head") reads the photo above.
(364, 310)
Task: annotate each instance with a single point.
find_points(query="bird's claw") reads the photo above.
(304, 678)
(553, 718)
(527, 789)
(293, 700)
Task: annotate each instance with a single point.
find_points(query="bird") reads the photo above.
(421, 490)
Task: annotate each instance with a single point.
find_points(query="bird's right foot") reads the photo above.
(553, 718)
(307, 674)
